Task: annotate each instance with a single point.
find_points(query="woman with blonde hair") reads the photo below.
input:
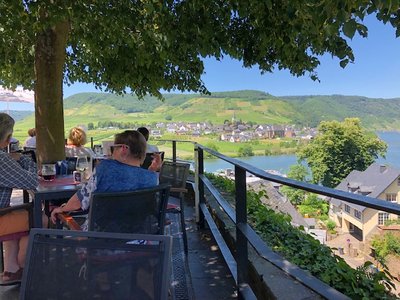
(75, 144)
(30, 142)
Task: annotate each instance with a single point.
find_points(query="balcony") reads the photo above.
(227, 258)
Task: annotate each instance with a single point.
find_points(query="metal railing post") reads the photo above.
(174, 151)
(241, 218)
(199, 169)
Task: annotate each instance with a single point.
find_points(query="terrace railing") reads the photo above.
(245, 235)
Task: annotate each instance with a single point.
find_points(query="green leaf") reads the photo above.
(344, 62)
(349, 28)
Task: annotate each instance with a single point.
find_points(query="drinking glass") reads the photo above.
(49, 172)
(82, 163)
(83, 166)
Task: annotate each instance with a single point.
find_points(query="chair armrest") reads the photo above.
(69, 221)
(178, 190)
(6, 210)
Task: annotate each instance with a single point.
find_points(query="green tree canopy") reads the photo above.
(147, 45)
(338, 149)
(246, 150)
(300, 173)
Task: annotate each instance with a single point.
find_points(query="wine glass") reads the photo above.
(83, 166)
(82, 163)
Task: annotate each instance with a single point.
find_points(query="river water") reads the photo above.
(282, 163)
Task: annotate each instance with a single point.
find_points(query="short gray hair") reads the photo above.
(6, 126)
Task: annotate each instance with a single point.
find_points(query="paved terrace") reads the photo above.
(202, 274)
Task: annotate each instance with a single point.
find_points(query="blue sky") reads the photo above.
(375, 72)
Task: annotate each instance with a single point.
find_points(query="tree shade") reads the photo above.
(143, 46)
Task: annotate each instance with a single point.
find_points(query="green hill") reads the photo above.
(254, 106)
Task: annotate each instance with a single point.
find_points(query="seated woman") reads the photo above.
(75, 144)
(121, 173)
(16, 171)
(30, 142)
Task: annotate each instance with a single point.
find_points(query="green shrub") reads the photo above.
(386, 244)
(330, 225)
(246, 151)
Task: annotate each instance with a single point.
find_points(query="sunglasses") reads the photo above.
(117, 146)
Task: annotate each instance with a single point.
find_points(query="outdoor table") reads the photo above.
(61, 187)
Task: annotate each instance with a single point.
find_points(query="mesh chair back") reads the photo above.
(96, 265)
(140, 211)
(174, 174)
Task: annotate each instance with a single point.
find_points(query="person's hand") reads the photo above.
(54, 212)
(156, 162)
(15, 155)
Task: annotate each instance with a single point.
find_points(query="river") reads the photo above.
(282, 163)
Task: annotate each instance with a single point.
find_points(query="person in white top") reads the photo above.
(146, 134)
(30, 142)
(75, 144)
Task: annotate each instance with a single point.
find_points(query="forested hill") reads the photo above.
(255, 106)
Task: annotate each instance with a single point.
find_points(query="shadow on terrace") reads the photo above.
(230, 258)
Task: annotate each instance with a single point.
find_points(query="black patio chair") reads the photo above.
(140, 211)
(64, 264)
(175, 174)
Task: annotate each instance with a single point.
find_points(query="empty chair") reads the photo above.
(63, 264)
(175, 174)
(140, 211)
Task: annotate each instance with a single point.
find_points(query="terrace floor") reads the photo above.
(202, 274)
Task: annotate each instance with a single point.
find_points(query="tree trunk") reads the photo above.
(49, 111)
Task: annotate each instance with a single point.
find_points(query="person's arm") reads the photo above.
(156, 163)
(73, 204)
(18, 171)
(80, 199)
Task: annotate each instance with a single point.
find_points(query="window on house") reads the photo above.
(391, 197)
(347, 208)
(357, 214)
(398, 181)
(382, 217)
